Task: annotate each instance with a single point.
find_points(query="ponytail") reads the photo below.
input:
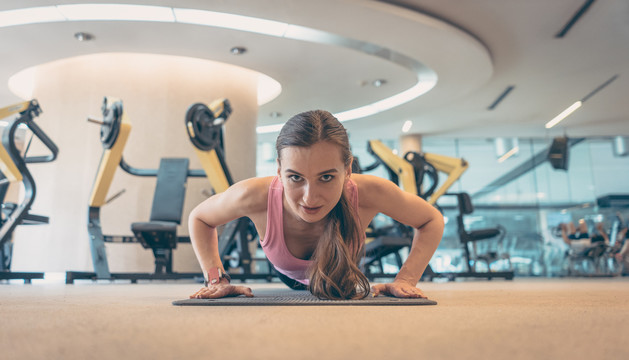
(334, 273)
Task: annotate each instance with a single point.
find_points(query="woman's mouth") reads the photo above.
(311, 210)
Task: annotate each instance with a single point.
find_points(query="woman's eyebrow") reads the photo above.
(321, 173)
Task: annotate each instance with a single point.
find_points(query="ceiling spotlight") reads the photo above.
(83, 36)
(275, 114)
(238, 50)
(378, 82)
(407, 126)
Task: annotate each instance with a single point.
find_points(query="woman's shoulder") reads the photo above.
(253, 192)
(254, 184)
(371, 188)
(370, 182)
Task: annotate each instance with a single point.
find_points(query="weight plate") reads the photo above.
(234, 259)
(202, 129)
(112, 118)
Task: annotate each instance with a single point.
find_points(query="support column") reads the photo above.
(410, 142)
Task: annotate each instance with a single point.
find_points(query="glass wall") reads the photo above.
(530, 206)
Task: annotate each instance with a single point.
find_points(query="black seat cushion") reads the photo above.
(482, 234)
(154, 226)
(156, 234)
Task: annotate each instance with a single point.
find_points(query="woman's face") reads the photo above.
(313, 179)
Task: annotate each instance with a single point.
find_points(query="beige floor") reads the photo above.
(520, 319)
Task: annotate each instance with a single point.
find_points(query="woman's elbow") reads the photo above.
(437, 219)
(435, 222)
(196, 217)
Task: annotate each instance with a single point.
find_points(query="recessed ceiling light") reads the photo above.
(83, 36)
(238, 50)
(378, 82)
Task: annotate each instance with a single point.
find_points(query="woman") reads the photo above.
(312, 218)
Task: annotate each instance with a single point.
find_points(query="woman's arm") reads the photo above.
(385, 197)
(625, 247)
(564, 234)
(602, 232)
(241, 199)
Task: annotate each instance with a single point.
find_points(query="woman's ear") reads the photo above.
(279, 165)
(348, 169)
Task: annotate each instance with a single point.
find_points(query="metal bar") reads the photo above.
(609, 81)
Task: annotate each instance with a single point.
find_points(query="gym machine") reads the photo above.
(411, 170)
(158, 234)
(205, 129)
(204, 126)
(13, 172)
(470, 237)
(410, 173)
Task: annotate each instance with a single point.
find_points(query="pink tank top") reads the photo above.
(274, 245)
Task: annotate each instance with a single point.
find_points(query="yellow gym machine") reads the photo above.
(204, 125)
(14, 171)
(409, 172)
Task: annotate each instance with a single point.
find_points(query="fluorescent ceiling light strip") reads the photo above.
(265, 129)
(357, 113)
(303, 33)
(268, 89)
(124, 12)
(407, 126)
(405, 96)
(564, 114)
(396, 100)
(230, 21)
(33, 15)
(509, 154)
(129, 12)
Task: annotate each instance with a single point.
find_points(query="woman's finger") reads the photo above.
(241, 290)
(421, 294)
(198, 294)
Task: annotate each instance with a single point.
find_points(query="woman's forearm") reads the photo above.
(204, 239)
(425, 242)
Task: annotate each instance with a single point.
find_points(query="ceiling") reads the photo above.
(475, 50)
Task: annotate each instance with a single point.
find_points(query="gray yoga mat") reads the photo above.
(288, 297)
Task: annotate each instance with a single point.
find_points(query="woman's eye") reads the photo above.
(294, 178)
(327, 178)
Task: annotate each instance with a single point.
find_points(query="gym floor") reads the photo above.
(521, 319)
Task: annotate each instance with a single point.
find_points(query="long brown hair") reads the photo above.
(335, 272)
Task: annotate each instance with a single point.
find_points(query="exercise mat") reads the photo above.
(288, 297)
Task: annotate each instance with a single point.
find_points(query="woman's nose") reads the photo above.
(310, 195)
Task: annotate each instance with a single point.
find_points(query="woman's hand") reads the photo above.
(398, 289)
(221, 290)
